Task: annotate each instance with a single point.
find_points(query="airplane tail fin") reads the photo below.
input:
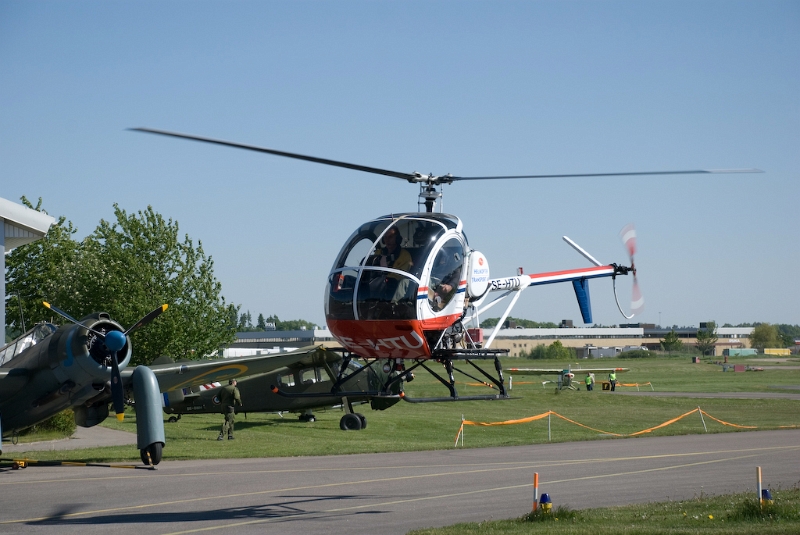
(581, 287)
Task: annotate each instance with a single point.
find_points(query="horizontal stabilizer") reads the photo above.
(582, 293)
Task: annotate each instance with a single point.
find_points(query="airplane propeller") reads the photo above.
(114, 341)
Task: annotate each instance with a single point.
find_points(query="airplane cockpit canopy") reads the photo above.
(38, 333)
(381, 267)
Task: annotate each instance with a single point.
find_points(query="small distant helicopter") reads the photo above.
(405, 287)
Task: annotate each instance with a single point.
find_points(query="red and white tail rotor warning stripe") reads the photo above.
(628, 235)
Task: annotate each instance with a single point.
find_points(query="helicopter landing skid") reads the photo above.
(447, 357)
(390, 388)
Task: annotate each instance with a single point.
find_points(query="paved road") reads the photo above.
(388, 493)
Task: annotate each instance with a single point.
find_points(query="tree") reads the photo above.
(128, 268)
(290, 325)
(764, 335)
(44, 270)
(555, 351)
(707, 338)
(262, 323)
(671, 342)
(788, 333)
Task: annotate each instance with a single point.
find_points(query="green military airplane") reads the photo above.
(291, 388)
(82, 365)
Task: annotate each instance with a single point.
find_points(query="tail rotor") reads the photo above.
(628, 235)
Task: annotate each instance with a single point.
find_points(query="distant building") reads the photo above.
(587, 341)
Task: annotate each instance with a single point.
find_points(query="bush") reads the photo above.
(635, 354)
(555, 351)
(537, 353)
(63, 423)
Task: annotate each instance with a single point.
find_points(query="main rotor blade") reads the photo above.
(148, 318)
(630, 173)
(404, 176)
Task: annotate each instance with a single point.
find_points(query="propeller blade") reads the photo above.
(71, 319)
(117, 393)
(147, 319)
(628, 234)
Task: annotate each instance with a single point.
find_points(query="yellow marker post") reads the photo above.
(758, 486)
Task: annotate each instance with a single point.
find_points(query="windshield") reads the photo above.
(29, 339)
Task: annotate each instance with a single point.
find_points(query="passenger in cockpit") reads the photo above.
(445, 276)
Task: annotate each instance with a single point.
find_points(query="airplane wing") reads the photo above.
(176, 375)
(555, 371)
(12, 380)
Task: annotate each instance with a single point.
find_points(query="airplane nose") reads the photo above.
(115, 341)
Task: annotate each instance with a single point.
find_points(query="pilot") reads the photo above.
(229, 397)
(394, 256)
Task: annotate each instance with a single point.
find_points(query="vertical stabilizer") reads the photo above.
(584, 302)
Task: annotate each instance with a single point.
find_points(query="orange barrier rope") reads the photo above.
(585, 426)
(665, 424)
(637, 433)
(726, 423)
(511, 422)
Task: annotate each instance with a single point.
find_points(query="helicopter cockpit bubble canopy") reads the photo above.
(403, 268)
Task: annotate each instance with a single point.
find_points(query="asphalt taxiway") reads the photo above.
(389, 493)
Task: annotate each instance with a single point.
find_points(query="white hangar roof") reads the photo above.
(21, 224)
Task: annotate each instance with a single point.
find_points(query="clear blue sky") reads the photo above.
(462, 87)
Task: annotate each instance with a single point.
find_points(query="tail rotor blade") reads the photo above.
(148, 318)
(637, 300)
(628, 234)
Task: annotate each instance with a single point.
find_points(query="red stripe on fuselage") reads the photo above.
(401, 339)
(571, 272)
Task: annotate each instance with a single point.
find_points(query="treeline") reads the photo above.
(244, 323)
(519, 322)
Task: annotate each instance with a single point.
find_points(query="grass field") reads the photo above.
(737, 514)
(417, 427)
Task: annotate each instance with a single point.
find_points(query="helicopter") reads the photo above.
(405, 287)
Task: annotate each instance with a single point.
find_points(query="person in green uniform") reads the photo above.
(589, 382)
(229, 397)
(612, 378)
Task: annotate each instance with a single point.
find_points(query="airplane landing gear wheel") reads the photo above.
(363, 420)
(154, 451)
(173, 419)
(350, 422)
